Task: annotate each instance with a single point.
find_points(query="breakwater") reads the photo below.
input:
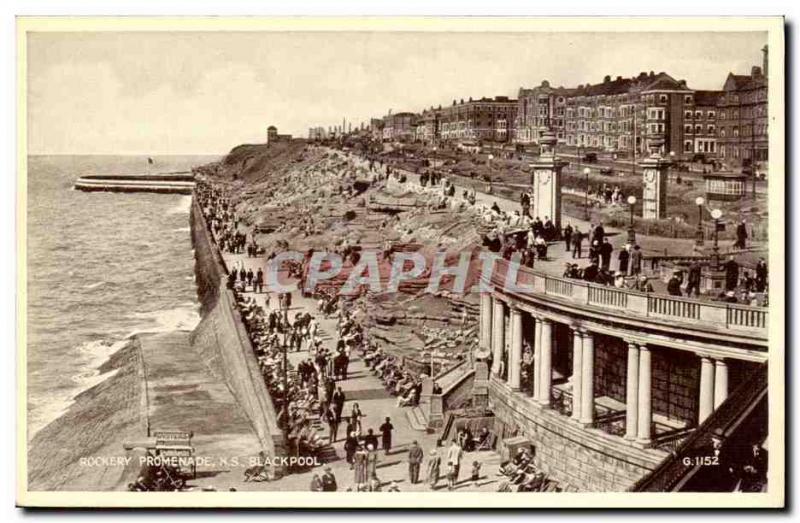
(223, 342)
(177, 183)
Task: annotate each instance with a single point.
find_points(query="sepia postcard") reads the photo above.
(400, 262)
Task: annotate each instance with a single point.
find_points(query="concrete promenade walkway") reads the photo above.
(366, 389)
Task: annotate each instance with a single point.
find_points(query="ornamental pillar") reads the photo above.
(632, 393)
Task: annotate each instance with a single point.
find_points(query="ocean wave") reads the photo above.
(182, 207)
(183, 318)
(181, 229)
(95, 285)
(50, 407)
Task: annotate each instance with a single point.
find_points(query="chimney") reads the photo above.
(619, 78)
(606, 79)
(755, 71)
(765, 62)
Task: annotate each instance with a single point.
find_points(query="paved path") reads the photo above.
(366, 389)
(184, 395)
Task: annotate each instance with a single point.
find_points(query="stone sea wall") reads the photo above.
(222, 340)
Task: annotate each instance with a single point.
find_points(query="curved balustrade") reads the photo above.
(632, 303)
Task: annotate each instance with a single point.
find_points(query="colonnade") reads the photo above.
(639, 376)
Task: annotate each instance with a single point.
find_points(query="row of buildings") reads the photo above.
(618, 115)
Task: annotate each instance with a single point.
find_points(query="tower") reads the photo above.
(272, 134)
(654, 182)
(546, 200)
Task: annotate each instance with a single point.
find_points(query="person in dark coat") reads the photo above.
(605, 251)
(623, 258)
(386, 435)
(328, 481)
(577, 243)
(337, 400)
(567, 237)
(590, 273)
(636, 260)
(674, 285)
(415, 455)
(333, 423)
(693, 279)
(731, 274)
(761, 275)
(741, 235)
(598, 234)
(350, 447)
(371, 440)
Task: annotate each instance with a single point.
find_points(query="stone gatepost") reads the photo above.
(654, 177)
(546, 179)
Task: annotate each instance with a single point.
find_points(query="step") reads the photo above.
(416, 419)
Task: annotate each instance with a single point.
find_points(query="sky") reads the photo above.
(206, 92)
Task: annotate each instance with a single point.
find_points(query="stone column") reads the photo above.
(587, 382)
(498, 335)
(515, 356)
(486, 322)
(546, 364)
(720, 382)
(537, 356)
(577, 370)
(645, 397)
(706, 406)
(632, 392)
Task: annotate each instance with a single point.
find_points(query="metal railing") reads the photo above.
(670, 473)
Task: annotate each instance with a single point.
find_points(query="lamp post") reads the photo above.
(631, 230)
(671, 160)
(699, 241)
(586, 172)
(716, 214)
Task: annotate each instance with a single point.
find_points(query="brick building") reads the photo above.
(486, 119)
(399, 127)
(743, 116)
(700, 128)
(538, 110)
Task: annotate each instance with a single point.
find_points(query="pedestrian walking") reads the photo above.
(415, 455)
(386, 435)
(454, 455)
(434, 464)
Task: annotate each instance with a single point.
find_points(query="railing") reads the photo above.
(664, 306)
(747, 317)
(672, 472)
(632, 303)
(608, 296)
(559, 287)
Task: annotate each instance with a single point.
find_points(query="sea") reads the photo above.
(101, 267)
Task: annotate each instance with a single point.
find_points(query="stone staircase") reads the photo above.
(416, 418)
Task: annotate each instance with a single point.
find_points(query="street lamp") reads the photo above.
(631, 231)
(716, 214)
(586, 172)
(699, 241)
(671, 161)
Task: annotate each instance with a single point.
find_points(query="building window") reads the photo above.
(687, 146)
(687, 129)
(698, 129)
(711, 114)
(687, 99)
(698, 114)
(711, 129)
(688, 115)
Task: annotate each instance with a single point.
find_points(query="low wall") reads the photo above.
(580, 459)
(223, 342)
